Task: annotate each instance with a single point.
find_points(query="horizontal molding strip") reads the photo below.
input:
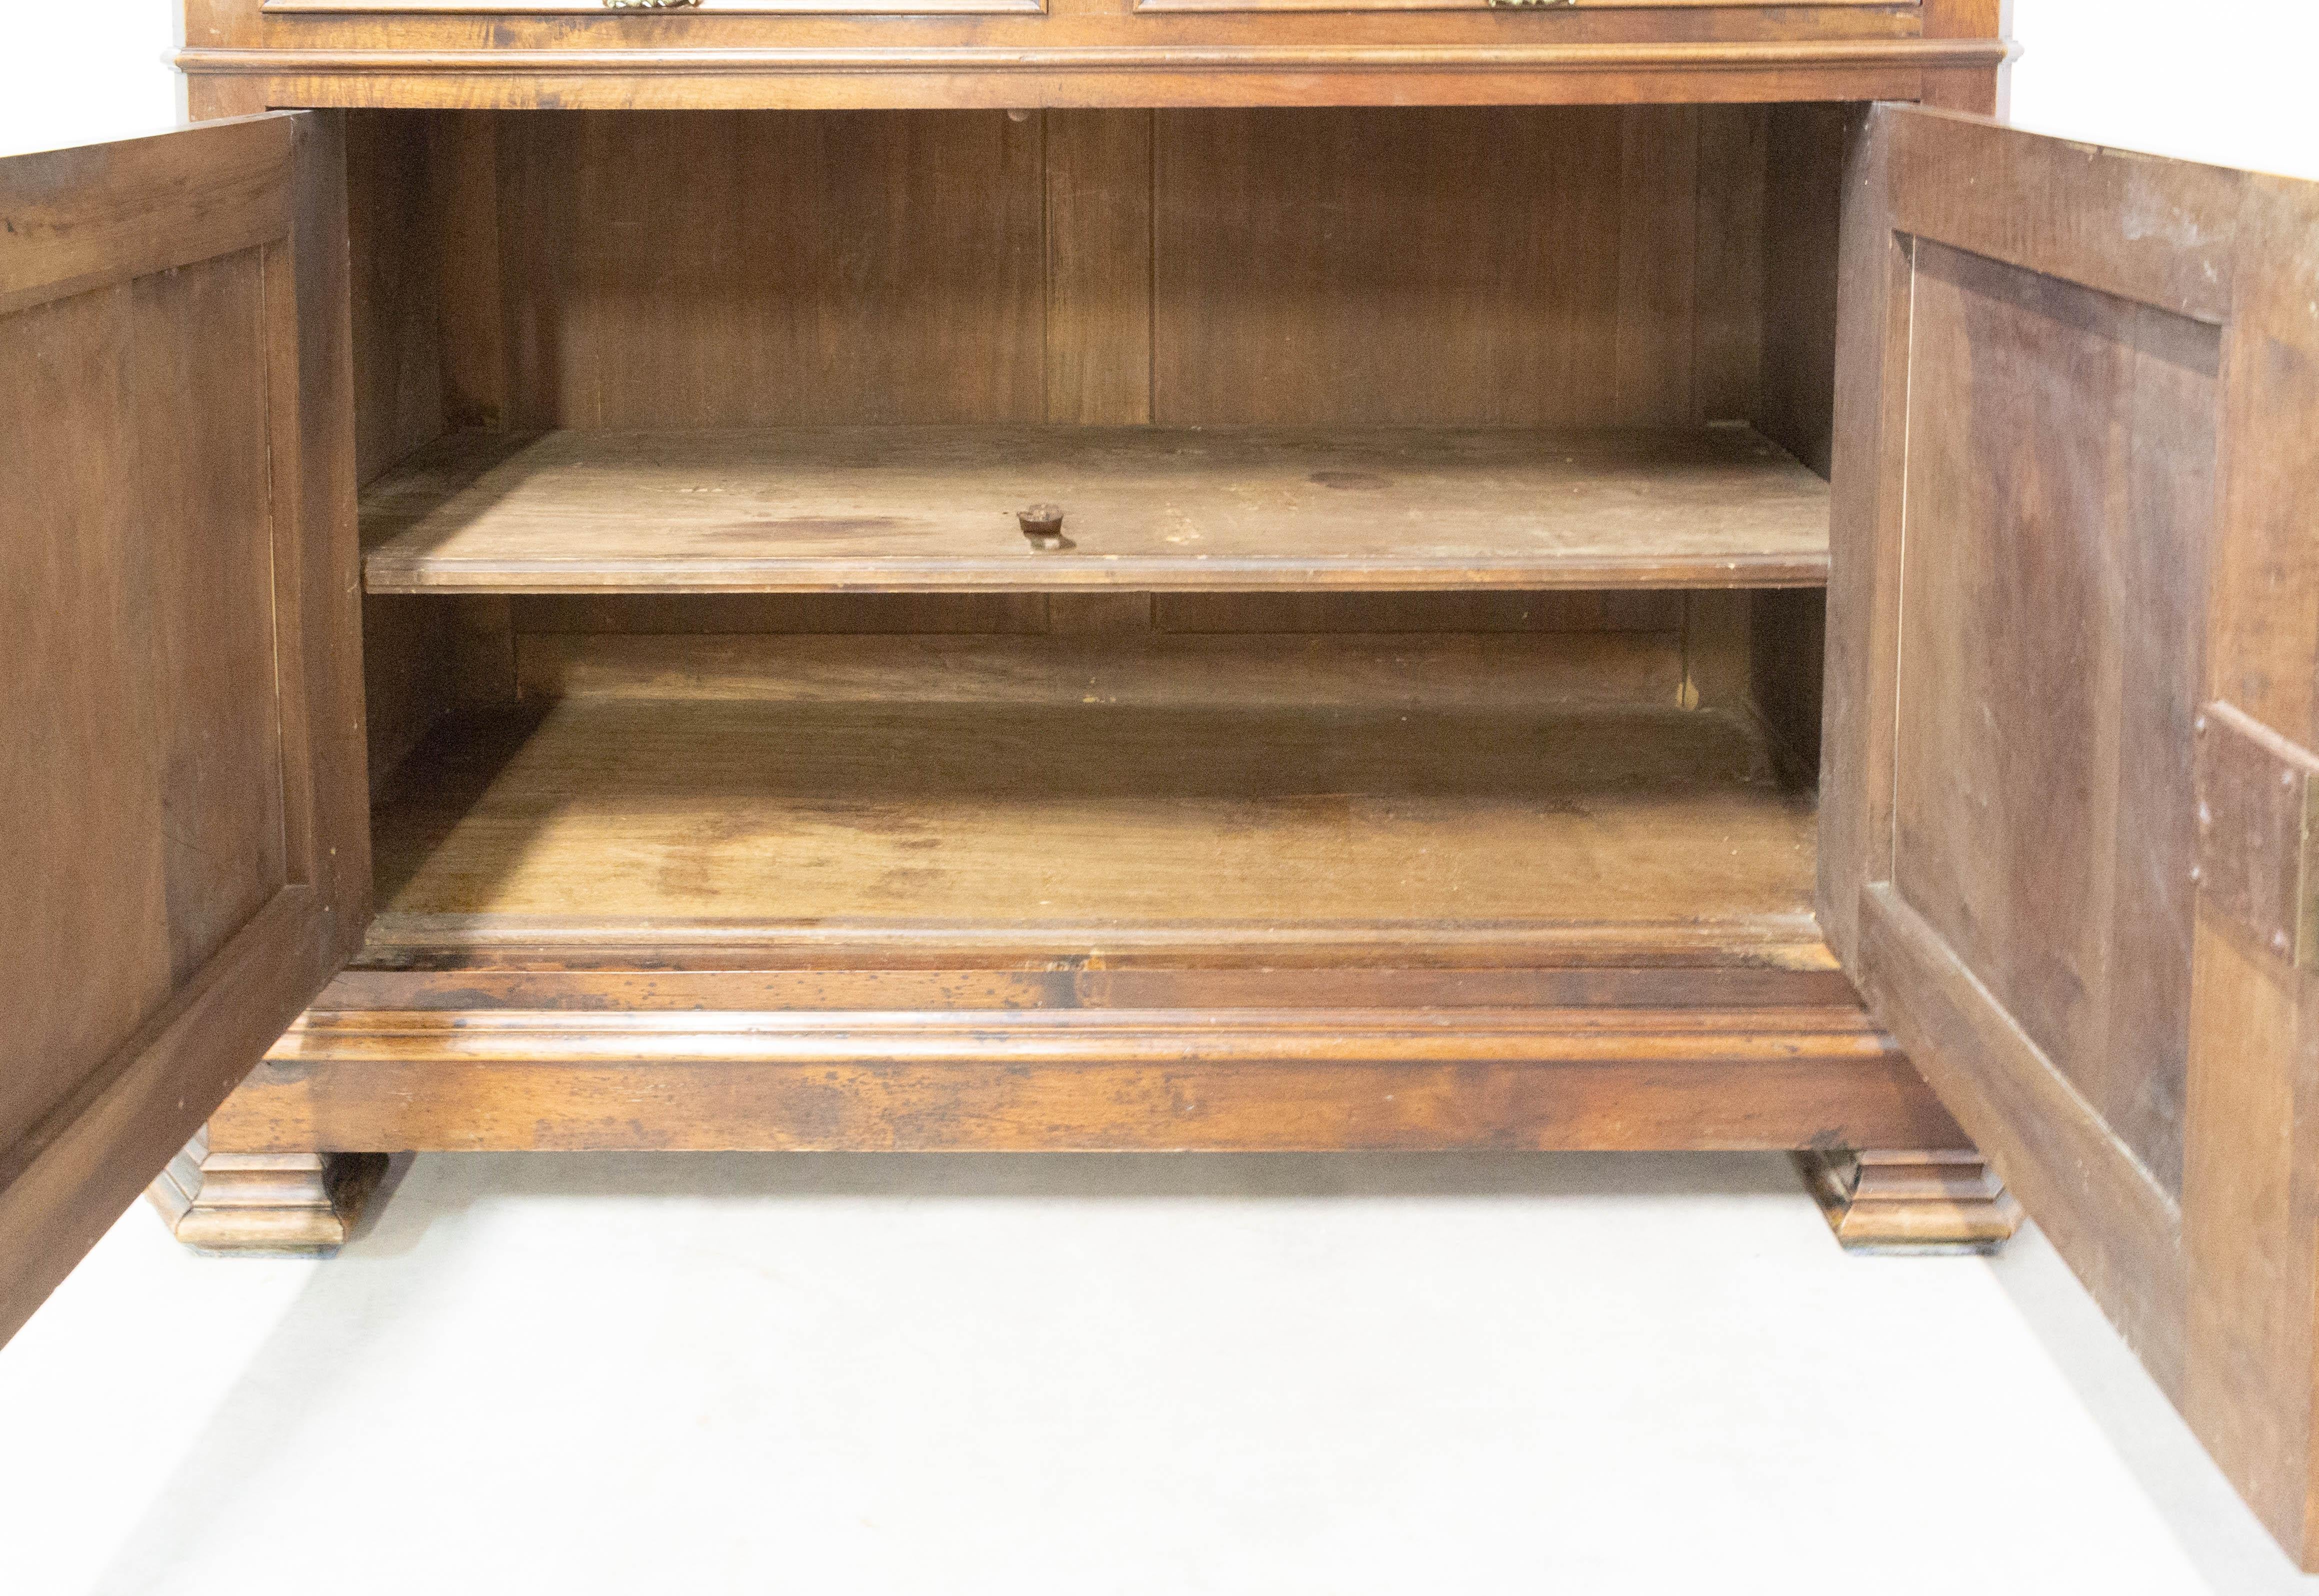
(1792, 941)
(1090, 573)
(1328, 1078)
(1109, 59)
(1014, 1039)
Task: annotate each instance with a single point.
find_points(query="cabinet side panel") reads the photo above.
(394, 252)
(1981, 87)
(425, 310)
(1803, 186)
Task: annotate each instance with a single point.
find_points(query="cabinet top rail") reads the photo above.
(1010, 54)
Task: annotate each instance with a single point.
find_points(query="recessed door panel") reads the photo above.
(2068, 841)
(187, 856)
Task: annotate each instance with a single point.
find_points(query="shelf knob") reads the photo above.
(1043, 524)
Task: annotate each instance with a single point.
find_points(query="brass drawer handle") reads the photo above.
(1495, 4)
(649, 4)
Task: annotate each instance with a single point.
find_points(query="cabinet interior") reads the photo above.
(1447, 489)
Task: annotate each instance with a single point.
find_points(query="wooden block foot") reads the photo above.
(1912, 1200)
(272, 1205)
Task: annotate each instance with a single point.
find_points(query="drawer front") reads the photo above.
(1641, 6)
(548, 8)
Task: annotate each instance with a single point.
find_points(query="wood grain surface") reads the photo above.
(600, 1056)
(244, 54)
(652, 1090)
(1148, 509)
(2073, 525)
(187, 861)
(2089, 633)
(1099, 268)
(1065, 820)
(1392, 268)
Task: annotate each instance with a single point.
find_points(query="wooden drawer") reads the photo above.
(522, 8)
(494, 9)
(1597, 6)
(498, 8)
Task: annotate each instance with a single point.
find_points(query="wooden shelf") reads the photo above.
(903, 831)
(932, 509)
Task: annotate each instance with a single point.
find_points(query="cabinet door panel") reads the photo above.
(2075, 624)
(186, 858)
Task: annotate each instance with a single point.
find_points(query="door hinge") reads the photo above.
(2256, 830)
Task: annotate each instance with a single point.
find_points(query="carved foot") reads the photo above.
(270, 1204)
(1912, 1200)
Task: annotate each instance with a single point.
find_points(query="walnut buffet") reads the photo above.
(1171, 575)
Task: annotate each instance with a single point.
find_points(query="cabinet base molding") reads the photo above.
(1912, 1200)
(1082, 1061)
(269, 1205)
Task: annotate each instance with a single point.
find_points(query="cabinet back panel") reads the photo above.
(1565, 647)
(705, 269)
(1646, 610)
(1524, 267)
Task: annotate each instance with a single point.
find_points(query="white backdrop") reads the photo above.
(2219, 80)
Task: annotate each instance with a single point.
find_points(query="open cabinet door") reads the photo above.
(2073, 697)
(183, 850)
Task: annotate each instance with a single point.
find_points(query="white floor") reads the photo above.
(1078, 1375)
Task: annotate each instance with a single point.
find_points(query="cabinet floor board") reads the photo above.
(1063, 826)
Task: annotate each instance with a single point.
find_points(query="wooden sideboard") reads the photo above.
(1184, 574)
